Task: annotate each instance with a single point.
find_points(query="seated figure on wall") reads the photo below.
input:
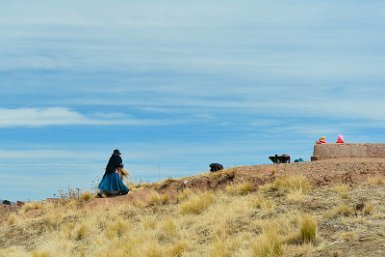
(340, 139)
(321, 141)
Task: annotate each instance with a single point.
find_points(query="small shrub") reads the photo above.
(197, 204)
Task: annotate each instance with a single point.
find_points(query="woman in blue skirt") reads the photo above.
(112, 184)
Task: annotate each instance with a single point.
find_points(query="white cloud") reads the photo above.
(38, 117)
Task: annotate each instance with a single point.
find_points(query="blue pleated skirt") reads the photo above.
(112, 184)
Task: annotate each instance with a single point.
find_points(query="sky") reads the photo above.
(177, 85)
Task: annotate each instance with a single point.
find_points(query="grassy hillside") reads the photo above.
(285, 214)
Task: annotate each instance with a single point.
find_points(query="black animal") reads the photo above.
(6, 202)
(284, 158)
(216, 167)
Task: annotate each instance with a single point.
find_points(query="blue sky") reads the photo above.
(176, 85)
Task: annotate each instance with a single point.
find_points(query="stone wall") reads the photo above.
(336, 151)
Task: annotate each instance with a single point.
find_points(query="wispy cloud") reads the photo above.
(38, 117)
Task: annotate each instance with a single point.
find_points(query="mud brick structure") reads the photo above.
(343, 151)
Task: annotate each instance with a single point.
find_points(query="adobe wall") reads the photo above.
(335, 151)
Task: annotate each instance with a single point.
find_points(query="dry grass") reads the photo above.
(86, 196)
(291, 183)
(158, 199)
(267, 245)
(308, 229)
(32, 206)
(342, 190)
(376, 181)
(243, 188)
(197, 204)
(241, 223)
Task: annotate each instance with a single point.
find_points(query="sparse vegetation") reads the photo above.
(286, 217)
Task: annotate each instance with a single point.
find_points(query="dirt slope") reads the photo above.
(319, 173)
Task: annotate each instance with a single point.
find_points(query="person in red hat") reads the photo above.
(340, 139)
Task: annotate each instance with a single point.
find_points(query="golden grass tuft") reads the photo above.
(157, 199)
(32, 206)
(183, 195)
(289, 183)
(348, 236)
(168, 231)
(267, 245)
(219, 249)
(342, 190)
(369, 209)
(177, 249)
(341, 210)
(154, 250)
(86, 196)
(307, 232)
(261, 202)
(197, 204)
(165, 183)
(295, 196)
(376, 181)
(41, 253)
(243, 188)
(13, 219)
(82, 230)
(308, 229)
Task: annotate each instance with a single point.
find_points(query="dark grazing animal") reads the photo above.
(6, 202)
(284, 158)
(216, 167)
